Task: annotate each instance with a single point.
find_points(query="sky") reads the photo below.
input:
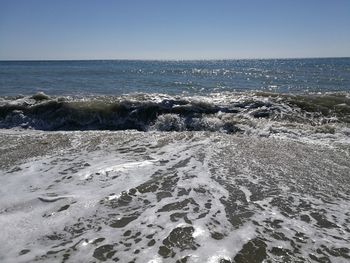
(173, 29)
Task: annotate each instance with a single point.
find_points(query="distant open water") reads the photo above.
(116, 77)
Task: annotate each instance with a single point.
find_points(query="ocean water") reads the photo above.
(188, 161)
(116, 77)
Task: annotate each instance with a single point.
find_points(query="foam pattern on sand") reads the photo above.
(130, 196)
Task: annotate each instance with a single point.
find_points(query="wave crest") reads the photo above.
(230, 112)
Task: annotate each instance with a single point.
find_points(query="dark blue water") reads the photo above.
(115, 77)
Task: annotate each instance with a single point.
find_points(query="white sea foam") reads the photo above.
(162, 197)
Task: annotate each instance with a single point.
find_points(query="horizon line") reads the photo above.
(170, 59)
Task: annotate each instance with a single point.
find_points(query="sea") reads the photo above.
(212, 161)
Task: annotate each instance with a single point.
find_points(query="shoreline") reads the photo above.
(163, 195)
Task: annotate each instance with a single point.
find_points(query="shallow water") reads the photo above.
(132, 196)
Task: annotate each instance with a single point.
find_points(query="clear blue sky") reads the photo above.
(173, 29)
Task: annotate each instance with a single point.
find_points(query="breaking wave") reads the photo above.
(266, 113)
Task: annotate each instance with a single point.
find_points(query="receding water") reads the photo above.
(172, 197)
